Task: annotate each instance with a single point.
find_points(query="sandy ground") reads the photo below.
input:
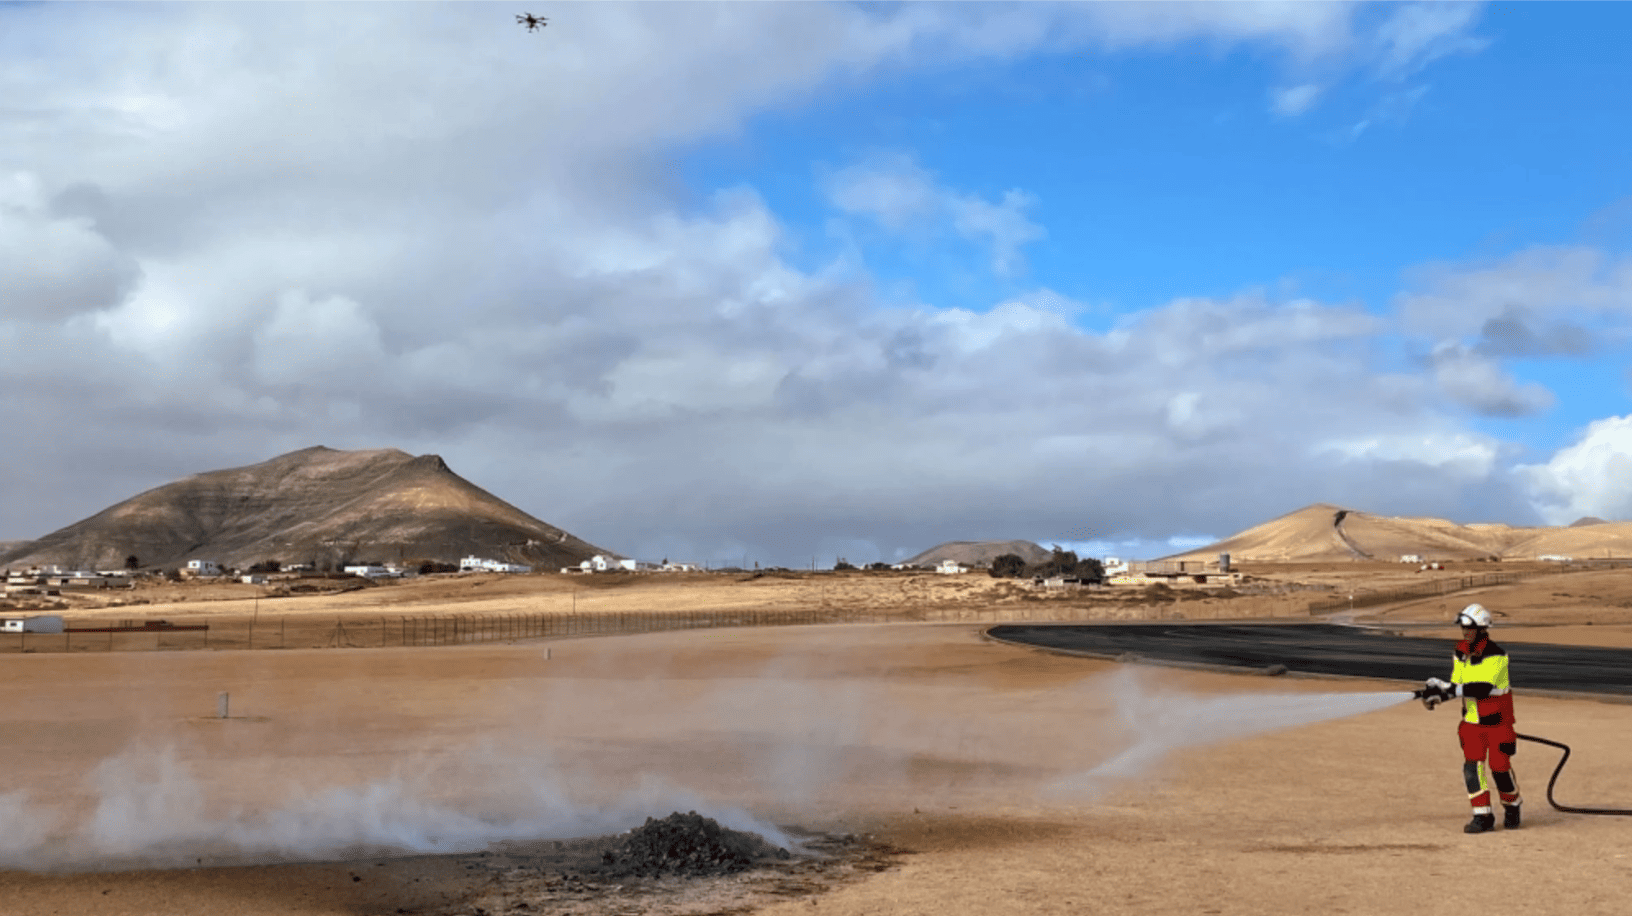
(945, 773)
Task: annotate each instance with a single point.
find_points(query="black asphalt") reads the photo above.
(1327, 649)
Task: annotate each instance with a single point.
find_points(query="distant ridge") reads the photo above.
(316, 504)
(979, 553)
(1323, 533)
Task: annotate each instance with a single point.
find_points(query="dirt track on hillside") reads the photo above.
(962, 769)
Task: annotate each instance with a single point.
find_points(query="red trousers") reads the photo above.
(1497, 743)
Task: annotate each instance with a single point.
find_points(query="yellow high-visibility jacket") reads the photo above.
(1481, 669)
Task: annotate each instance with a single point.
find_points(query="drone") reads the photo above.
(533, 23)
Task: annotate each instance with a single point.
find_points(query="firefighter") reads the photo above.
(1479, 678)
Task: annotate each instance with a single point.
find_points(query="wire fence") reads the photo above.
(364, 632)
(1447, 586)
(357, 631)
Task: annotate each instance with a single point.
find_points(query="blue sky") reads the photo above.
(772, 280)
(1166, 173)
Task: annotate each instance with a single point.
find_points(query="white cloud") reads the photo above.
(893, 189)
(903, 197)
(1294, 100)
(1478, 382)
(1466, 455)
(329, 342)
(1455, 300)
(51, 266)
(1592, 477)
(1416, 34)
(338, 224)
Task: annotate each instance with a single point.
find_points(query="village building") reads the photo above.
(604, 563)
(480, 564)
(40, 623)
(1177, 573)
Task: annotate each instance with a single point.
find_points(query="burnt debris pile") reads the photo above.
(687, 845)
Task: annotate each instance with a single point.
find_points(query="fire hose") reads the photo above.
(1559, 769)
(1430, 697)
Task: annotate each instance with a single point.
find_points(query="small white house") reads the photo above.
(369, 571)
(479, 564)
(1411, 558)
(951, 568)
(203, 568)
(603, 563)
(42, 623)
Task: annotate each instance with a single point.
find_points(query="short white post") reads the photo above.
(221, 706)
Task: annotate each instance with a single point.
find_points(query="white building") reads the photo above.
(603, 563)
(951, 568)
(203, 568)
(480, 564)
(369, 571)
(42, 623)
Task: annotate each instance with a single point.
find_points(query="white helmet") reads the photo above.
(1474, 615)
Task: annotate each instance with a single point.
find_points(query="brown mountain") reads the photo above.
(979, 553)
(1324, 533)
(316, 504)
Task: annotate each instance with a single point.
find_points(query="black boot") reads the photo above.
(1510, 817)
(1480, 823)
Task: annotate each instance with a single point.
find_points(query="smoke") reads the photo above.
(596, 753)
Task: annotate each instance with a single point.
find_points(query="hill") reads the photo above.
(1326, 533)
(979, 553)
(318, 505)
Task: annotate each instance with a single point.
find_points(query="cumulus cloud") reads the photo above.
(1592, 476)
(1515, 334)
(264, 228)
(54, 266)
(1547, 283)
(902, 196)
(1478, 382)
(1552, 303)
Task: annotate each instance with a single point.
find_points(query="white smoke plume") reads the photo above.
(595, 756)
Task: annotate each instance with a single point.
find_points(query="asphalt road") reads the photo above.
(1326, 649)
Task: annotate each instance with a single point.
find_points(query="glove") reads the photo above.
(1436, 691)
(1445, 689)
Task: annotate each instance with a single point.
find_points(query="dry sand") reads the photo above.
(965, 770)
